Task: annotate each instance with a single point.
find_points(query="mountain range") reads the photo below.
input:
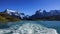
(44, 15)
(11, 15)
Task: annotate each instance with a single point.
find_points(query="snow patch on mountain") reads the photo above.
(11, 11)
(15, 13)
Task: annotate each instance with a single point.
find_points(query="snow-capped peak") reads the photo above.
(15, 13)
(10, 11)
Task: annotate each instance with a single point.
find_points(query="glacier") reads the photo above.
(28, 28)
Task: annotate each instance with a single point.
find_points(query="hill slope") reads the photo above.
(4, 17)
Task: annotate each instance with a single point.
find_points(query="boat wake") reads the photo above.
(28, 28)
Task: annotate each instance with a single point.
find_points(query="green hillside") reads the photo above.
(4, 17)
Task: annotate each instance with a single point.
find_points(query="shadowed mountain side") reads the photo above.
(51, 15)
(49, 18)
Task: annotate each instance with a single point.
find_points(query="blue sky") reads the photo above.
(29, 6)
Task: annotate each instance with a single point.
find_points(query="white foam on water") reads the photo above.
(29, 28)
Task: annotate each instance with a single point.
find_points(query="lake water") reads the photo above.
(31, 27)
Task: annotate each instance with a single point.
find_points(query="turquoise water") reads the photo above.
(30, 25)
